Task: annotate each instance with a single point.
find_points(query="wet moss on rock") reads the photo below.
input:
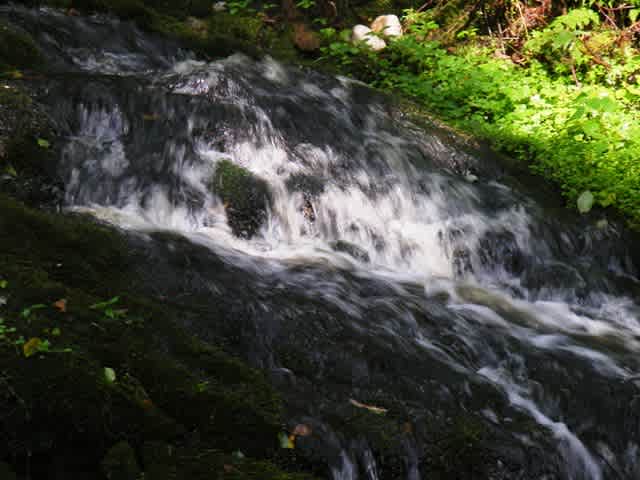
(18, 50)
(120, 463)
(27, 148)
(245, 196)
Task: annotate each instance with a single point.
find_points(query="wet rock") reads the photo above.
(120, 463)
(197, 26)
(501, 249)
(362, 33)
(245, 196)
(305, 39)
(308, 211)
(219, 6)
(6, 473)
(17, 49)
(461, 260)
(351, 249)
(28, 151)
(387, 25)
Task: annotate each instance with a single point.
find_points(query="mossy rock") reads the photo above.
(120, 463)
(458, 450)
(27, 148)
(170, 388)
(245, 196)
(18, 50)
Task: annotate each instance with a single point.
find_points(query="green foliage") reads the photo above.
(418, 23)
(565, 37)
(240, 6)
(585, 138)
(305, 4)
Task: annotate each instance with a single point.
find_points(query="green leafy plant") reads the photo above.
(418, 23)
(26, 312)
(240, 6)
(108, 308)
(305, 4)
(584, 138)
(5, 330)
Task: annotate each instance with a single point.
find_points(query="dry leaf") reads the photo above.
(61, 305)
(371, 408)
(31, 347)
(302, 430)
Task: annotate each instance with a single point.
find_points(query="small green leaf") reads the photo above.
(4, 284)
(26, 313)
(109, 375)
(56, 332)
(43, 143)
(103, 305)
(285, 441)
(238, 455)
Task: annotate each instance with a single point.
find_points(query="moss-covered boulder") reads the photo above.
(120, 463)
(17, 50)
(246, 198)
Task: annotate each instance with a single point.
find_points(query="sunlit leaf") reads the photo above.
(43, 143)
(585, 202)
(109, 374)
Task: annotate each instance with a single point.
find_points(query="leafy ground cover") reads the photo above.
(567, 102)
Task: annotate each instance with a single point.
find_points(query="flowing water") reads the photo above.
(383, 273)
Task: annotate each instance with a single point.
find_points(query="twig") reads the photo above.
(609, 19)
(524, 20)
(575, 77)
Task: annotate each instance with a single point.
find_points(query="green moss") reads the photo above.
(120, 463)
(245, 196)
(458, 451)
(17, 50)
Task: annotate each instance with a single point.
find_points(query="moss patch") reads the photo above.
(17, 50)
(246, 197)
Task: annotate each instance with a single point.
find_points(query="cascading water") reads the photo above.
(392, 278)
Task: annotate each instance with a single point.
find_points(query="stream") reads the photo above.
(395, 272)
